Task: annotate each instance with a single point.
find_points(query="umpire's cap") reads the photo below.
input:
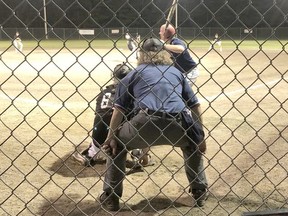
(121, 70)
(152, 44)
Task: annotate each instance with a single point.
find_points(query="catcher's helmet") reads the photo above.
(120, 71)
(168, 32)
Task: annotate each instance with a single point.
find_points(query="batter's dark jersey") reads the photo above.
(183, 61)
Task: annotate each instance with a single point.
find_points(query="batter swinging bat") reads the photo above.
(171, 13)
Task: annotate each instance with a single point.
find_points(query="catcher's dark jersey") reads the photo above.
(103, 114)
(104, 101)
(104, 110)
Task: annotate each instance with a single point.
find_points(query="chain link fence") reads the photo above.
(48, 89)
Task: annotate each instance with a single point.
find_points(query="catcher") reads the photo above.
(104, 103)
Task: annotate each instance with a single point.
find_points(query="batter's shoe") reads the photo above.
(109, 202)
(200, 196)
(85, 160)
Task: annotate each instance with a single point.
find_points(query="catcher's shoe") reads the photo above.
(200, 196)
(133, 164)
(141, 159)
(109, 202)
(147, 160)
(85, 160)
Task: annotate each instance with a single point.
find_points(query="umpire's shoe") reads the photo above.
(200, 196)
(85, 160)
(109, 202)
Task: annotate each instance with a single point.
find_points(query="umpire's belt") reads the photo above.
(161, 114)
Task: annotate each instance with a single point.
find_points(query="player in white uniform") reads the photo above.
(17, 42)
(217, 41)
(132, 44)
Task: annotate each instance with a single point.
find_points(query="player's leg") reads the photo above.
(195, 172)
(130, 45)
(113, 181)
(210, 47)
(15, 44)
(99, 135)
(220, 45)
(192, 76)
(20, 45)
(93, 154)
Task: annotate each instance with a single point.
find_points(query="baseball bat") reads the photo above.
(171, 13)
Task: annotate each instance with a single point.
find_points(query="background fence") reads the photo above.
(106, 33)
(48, 93)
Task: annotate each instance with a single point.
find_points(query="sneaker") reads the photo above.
(147, 160)
(200, 196)
(81, 159)
(133, 164)
(109, 202)
(85, 160)
(143, 159)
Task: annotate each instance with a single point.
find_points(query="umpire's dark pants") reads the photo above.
(143, 131)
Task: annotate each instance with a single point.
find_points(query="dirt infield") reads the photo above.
(47, 110)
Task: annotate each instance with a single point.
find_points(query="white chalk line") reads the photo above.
(76, 104)
(209, 99)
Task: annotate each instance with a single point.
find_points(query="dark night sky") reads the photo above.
(144, 13)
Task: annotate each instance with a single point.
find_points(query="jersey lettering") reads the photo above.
(106, 101)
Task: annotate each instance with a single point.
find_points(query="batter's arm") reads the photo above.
(174, 48)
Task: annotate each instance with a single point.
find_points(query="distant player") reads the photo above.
(138, 38)
(217, 41)
(132, 44)
(17, 42)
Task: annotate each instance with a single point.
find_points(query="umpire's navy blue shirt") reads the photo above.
(158, 88)
(183, 61)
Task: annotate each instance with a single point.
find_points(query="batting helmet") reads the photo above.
(168, 32)
(120, 71)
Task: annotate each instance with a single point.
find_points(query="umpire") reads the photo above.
(162, 99)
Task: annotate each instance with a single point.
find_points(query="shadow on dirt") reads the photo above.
(65, 206)
(68, 167)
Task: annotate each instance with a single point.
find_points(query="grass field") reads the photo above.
(107, 44)
(47, 110)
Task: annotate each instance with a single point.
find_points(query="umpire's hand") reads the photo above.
(110, 147)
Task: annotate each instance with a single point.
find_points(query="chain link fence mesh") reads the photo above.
(49, 86)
